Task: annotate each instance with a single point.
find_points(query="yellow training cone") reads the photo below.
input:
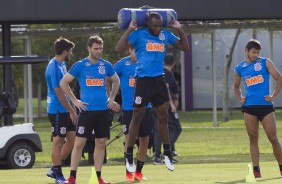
(93, 178)
(250, 178)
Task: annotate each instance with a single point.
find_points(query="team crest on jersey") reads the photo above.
(63, 130)
(258, 66)
(162, 36)
(101, 69)
(81, 130)
(87, 64)
(138, 100)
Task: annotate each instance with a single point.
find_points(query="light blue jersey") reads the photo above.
(53, 74)
(256, 78)
(150, 51)
(92, 82)
(125, 69)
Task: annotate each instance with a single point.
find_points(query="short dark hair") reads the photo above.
(253, 44)
(154, 15)
(94, 39)
(168, 60)
(62, 44)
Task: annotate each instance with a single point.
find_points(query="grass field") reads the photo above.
(217, 173)
(206, 155)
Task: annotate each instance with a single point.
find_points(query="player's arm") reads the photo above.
(182, 43)
(66, 88)
(173, 108)
(108, 86)
(123, 43)
(236, 87)
(63, 100)
(114, 90)
(175, 98)
(277, 76)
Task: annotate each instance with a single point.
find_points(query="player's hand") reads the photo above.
(80, 105)
(113, 105)
(269, 98)
(174, 24)
(132, 25)
(173, 108)
(242, 100)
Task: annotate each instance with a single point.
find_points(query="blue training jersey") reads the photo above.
(125, 69)
(92, 82)
(54, 73)
(256, 78)
(150, 51)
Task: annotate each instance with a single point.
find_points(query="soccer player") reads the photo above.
(91, 73)
(150, 47)
(61, 114)
(174, 125)
(257, 103)
(125, 69)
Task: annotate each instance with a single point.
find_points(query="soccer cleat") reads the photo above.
(130, 166)
(139, 176)
(257, 174)
(60, 180)
(70, 180)
(168, 163)
(174, 154)
(174, 160)
(158, 161)
(101, 181)
(51, 173)
(129, 177)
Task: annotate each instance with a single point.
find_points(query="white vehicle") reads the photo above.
(18, 144)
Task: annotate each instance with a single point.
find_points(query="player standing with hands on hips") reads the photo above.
(149, 44)
(257, 105)
(94, 106)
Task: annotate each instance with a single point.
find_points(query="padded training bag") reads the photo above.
(125, 15)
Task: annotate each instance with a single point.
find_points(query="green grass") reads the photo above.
(198, 143)
(206, 154)
(217, 173)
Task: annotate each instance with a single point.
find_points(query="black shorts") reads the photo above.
(150, 89)
(173, 121)
(146, 125)
(93, 122)
(258, 110)
(61, 124)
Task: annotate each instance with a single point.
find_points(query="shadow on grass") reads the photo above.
(243, 181)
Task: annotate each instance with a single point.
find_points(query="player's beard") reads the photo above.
(251, 58)
(67, 58)
(96, 56)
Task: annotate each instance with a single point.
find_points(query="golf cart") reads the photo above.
(18, 143)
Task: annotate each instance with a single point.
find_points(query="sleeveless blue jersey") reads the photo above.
(92, 81)
(53, 74)
(256, 78)
(150, 51)
(125, 69)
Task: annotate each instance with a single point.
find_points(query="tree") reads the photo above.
(225, 105)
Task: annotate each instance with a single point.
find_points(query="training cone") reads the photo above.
(93, 178)
(250, 178)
